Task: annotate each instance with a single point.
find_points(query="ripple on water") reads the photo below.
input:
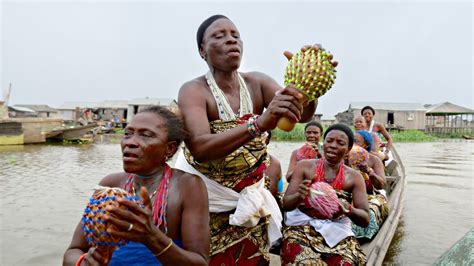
(439, 200)
(444, 185)
(44, 189)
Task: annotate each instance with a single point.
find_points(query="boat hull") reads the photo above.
(74, 133)
(377, 248)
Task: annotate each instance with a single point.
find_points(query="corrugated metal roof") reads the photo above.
(113, 104)
(73, 105)
(21, 109)
(448, 108)
(388, 106)
(152, 101)
(38, 107)
(328, 117)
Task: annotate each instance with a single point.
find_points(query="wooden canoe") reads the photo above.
(73, 133)
(396, 186)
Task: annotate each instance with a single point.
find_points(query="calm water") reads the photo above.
(44, 188)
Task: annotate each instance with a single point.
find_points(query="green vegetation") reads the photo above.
(411, 135)
(297, 134)
(119, 131)
(115, 140)
(76, 141)
(451, 135)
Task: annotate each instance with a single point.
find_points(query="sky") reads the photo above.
(399, 51)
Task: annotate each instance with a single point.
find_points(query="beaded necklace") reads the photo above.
(161, 200)
(225, 111)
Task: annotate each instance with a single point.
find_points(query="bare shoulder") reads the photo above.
(260, 79)
(379, 125)
(294, 153)
(274, 160)
(263, 86)
(188, 181)
(306, 165)
(114, 180)
(193, 86)
(254, 76)
(374, 159)
(193, 99)
(353, 174)
(307, 162)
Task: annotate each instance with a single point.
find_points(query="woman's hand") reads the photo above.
(96, 256)
(366, 169)
(286, 102)
(303, 190)
(344, 209)
(131, 221)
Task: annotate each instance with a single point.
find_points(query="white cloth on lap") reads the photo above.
(252, 203)
(333, 231)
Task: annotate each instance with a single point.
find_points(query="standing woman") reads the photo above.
(310, 150)
(328, 240)
(227, 114)
(368, 112)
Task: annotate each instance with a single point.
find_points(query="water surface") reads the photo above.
(44, 188)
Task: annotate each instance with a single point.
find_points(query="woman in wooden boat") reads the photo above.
(372, 169)
(227, 114)
(173, 226)
(361, 124)
(368, 112)
(310, 150)
(309, 240)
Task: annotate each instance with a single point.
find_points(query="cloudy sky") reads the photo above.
(416, 52)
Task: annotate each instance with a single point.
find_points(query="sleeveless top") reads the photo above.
(371, 127)
(135, 254)
(309, 151)
(337, 183)
(246, 162)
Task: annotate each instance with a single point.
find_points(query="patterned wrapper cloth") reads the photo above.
(358, 157)
(238, 170)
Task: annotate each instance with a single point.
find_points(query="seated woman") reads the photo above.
(371, 168)
(365, 140)
(173, 226)
(310, 150)
(368, 113)
(360, 124)
(309, 240)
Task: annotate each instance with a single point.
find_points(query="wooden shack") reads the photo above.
(135, 105)
(398, 115)
(448, 118)
(42, 110)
